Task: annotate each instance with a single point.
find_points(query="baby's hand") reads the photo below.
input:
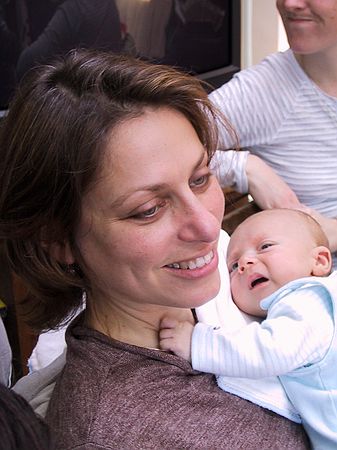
(176, 337)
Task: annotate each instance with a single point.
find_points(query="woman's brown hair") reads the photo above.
(51, 146)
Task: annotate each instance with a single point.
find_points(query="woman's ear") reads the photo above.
(61, 251)
(322, 261)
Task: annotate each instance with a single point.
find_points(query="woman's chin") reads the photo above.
(206, 295)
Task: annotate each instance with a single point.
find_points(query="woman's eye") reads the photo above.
(148, 213)
(200, 181)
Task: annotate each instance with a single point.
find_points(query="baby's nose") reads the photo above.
(244, 262)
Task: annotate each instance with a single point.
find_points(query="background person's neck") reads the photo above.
(321, 68)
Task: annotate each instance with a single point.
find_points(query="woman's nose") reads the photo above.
(198, 223)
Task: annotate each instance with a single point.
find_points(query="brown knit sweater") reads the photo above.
(111, 395)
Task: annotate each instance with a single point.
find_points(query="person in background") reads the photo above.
(75, 24)
(9, 51)
(20, 428)
(284, 110)
(105, 189)
(5, 356)
(279, 265)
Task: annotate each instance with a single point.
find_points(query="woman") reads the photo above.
(284, 111)
(106, 190)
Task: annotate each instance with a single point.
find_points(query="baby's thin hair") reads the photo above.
(315, 227)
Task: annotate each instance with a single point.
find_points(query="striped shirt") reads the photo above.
(298, 331)
(284, 118)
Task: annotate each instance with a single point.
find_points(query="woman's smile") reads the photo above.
(192, 264)
(199, 267)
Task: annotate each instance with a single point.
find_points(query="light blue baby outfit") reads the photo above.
(313, 388)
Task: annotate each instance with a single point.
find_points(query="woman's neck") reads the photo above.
(133, 326)
(321, 68)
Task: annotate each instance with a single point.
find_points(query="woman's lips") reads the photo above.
(195, 268)
(193, 264)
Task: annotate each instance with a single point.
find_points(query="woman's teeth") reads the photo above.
(195, 264)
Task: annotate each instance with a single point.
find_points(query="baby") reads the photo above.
(279, 264)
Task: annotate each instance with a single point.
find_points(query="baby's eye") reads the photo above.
(200, 181)
(266, 245)
(233, 267)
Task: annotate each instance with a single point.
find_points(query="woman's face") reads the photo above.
(150, 225)
(311, 25)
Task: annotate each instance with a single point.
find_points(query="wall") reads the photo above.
(262, 31)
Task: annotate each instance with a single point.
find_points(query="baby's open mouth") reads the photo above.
(258, 281)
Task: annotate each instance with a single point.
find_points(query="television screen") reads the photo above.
(201, 37)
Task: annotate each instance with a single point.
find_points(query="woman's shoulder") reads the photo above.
(122, 396)
(160, 402)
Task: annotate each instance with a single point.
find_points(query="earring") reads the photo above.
(74, 269)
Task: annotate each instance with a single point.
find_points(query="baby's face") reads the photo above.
(265, 252)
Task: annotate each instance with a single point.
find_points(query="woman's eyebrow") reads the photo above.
(201, 159)
(147, 188)
(152, 187)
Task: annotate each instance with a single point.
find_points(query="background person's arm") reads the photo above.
(267, 188)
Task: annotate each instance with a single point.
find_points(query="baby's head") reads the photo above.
(270, 249)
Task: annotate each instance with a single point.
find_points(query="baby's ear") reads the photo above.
(322, 261)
